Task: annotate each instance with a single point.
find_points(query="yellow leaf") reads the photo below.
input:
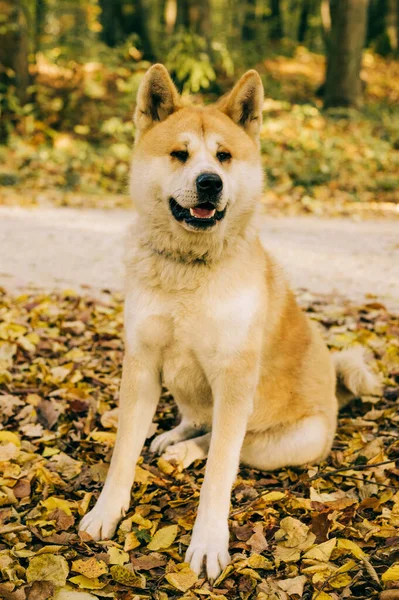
(392, 574)
(163, 538)
(69, 593)
(295, 534)
(131, 542)
(10, 437)
(321, 596)
(273, 496)
(104, 437)
(52, 503)
(351, 547)
(141, 475)
(340, 581)
(286, 554)
(117, 556)
(183, 580)
(165, 466)
(141, 521)
(127, 577)
(90, 568)
(350, 564)
(86, 583)
(256, 561)
(48, 567)
(321, 552)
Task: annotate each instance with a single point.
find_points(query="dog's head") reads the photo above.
(196, 169)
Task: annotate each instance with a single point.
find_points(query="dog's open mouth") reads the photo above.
(201, 216)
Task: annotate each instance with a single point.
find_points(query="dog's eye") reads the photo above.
(181, 155)
(223, 156)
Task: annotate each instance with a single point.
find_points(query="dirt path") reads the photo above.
(64, 247)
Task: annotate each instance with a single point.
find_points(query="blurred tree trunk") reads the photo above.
(276, 25)
(39, 22)
(183, 14)
(249, 26)
(348, 30)
(383, 25)
(14, 48)
(111, 19)
(306, 10)
(194, 15)
(137, 23)
(303, 21)
(376, 19)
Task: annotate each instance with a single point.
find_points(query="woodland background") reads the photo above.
(69, 73)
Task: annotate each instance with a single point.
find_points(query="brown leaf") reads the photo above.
(62, 520)
(148, 561)
(258, 541)
(40, 590)
(8, 591)
(22, 488)
(48, 413)
(243, 532)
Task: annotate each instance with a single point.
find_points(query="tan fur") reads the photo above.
(354, 378)
(210, 314)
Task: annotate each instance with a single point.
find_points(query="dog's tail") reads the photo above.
(354, 376)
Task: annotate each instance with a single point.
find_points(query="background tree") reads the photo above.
(14, 47)
(348, 31)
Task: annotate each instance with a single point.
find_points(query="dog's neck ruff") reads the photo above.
(177, 257)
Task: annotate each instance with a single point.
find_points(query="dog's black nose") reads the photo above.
(209, 183)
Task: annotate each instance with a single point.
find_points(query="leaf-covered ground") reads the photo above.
(325, 532)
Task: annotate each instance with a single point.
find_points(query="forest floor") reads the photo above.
(317, 532)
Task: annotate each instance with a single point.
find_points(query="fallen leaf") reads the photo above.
(182, 580)
(321, 552)
(163, 538)
(293, 586)
(88, 584)
(117, 556)
(90, 568)
(126, 576)
(48, 567)
(391, 574)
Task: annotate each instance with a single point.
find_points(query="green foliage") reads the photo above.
(195, 62)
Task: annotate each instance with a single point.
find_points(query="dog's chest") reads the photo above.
(184, 376)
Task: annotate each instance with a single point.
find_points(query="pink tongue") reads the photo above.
(202, 213)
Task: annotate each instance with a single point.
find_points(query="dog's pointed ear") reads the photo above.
(244, 103)
(157, 98)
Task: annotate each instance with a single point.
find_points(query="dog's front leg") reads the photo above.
(139, 395)
(233, 393)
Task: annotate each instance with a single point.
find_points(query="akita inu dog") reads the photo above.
(209, 313)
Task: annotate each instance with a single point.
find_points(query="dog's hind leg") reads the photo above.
(307, 441)
(185, 453)
(186, 430)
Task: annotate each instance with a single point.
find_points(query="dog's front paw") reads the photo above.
(101, 522)
(210, 547)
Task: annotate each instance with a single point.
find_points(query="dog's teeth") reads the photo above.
(192, 212)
